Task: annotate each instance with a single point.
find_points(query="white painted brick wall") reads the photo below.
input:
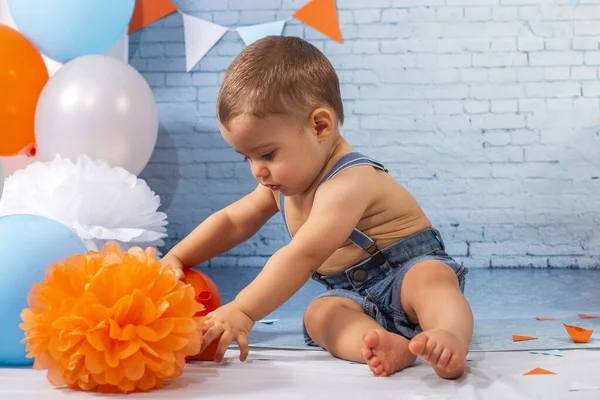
(487, 110)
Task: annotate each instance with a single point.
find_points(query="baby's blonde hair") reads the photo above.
(279, 75)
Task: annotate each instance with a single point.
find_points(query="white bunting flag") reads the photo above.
(200, 37)
(250, 34)
(120, 50)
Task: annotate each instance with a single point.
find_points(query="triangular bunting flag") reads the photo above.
(252, 33)
(200, 37)
(586, 316)
(147, 12)
(120, 50)
(517, 338)
(545, 319)
(321, 15)
(539, 371)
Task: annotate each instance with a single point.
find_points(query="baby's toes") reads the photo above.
(429, 348)
(377, 370)
(454, 363)
(435, 354)
(367, 353)
(375, 366)
(444, 358)
(418, 344)
(374, 362)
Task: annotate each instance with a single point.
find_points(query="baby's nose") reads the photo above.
(260, 171)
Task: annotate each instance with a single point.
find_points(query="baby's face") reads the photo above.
(283, 154)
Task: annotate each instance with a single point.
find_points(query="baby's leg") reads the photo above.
(431, 297)
(340, 326)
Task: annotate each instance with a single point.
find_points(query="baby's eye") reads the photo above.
(268, 156)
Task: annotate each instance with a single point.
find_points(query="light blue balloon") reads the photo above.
(29, 244)
(67, 29)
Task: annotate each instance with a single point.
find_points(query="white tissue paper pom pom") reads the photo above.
(96, 201)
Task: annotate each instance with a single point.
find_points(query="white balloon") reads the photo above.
(101, 107)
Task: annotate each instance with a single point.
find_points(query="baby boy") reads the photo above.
(392, 292)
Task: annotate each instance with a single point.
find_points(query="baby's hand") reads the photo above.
(175, 263)
(229, 323)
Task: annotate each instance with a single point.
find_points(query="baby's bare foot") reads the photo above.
(443, 350)
(386, 353)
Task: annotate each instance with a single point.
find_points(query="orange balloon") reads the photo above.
(23, 75)
(208, 295)
(207, 292)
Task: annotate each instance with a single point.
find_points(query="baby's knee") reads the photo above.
(430, 274)
(321, 310)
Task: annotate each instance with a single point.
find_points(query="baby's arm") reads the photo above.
(223, 230)
(338, 206)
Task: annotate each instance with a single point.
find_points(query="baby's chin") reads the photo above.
(287, 191)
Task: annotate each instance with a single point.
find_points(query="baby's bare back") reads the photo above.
(393, 215)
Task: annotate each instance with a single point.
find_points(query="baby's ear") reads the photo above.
(322, 121)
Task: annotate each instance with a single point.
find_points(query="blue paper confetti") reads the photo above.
(268, 321)
(556, 353)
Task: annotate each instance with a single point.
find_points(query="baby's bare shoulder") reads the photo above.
(362, 183)
(372, 180)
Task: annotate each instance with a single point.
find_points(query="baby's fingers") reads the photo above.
(242, 341)
(206, 325)
(212, 334)
(179, 274)
(226, 339)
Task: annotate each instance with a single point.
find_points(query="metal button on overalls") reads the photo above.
(359, 275)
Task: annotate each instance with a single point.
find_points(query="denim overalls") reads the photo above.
(375, 282)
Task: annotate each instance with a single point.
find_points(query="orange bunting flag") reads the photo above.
(539, 371)
(321, 15)
(586, 316)
(147, 12)
(545, 319)
(517, 338)
(579, 335)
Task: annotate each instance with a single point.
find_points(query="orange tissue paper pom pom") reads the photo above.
(112, 322)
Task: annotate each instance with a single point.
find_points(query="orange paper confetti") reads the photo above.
(321, 15)
(545, 319)
(539, 371)
(517, 338)
(579, 335)
(586, 316)
(147, 12)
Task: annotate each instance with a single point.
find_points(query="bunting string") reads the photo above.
(201, 35)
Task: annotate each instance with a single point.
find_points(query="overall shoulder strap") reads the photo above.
(347, 161)
(352, 160)
(282, 208)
